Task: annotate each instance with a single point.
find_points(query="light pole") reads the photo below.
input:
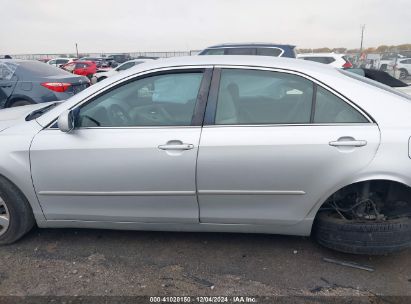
(362, 36)
(76, 50)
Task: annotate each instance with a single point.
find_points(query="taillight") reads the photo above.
(347, 65)
(56, 86)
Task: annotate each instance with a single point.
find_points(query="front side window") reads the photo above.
(263, 97)
(161, 100)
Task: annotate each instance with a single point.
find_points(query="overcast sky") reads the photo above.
(54, 26)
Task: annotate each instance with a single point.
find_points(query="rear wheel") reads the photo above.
(370, 217)
(19, 103)
(403, 74)
(16, 216)
(362, 237)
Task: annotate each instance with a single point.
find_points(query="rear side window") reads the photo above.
(125, 66)
(62, 61)
(263, 97)
(240, 51)
(331, 109)
(81, 65)
(214, 52)
(276, 52)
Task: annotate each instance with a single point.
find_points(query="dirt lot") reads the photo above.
(98, 262)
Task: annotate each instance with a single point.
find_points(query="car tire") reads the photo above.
(16, 215)
(19, 103)
(362, 237)
(403, 74)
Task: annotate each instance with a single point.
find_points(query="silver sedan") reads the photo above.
(216, 143)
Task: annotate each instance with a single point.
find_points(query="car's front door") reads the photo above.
(267, 154)
(131, 157)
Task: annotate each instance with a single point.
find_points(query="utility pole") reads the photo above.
(76, 50)
(362, 36)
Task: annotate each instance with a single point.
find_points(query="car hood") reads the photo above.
(406, 90)
(12, 116)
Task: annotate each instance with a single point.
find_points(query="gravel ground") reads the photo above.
(68, 262)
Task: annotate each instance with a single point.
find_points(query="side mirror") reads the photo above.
(65, 121)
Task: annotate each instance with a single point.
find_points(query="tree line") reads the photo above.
(379, 49)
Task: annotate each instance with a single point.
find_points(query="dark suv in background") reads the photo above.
(259, 49)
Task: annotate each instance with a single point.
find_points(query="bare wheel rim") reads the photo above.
(4, 217)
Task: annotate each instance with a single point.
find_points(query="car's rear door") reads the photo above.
(267, 154)
(132, 156)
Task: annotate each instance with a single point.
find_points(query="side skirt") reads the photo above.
(302, 228)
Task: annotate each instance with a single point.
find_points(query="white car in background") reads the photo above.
(103, 74)
(404, 66)
(336, 60)
(59, 62)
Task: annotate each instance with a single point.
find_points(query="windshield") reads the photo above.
(375, 84)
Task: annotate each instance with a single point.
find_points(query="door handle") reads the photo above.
(176, 147)
(348, 143)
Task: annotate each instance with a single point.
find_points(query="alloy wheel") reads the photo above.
(4, 217)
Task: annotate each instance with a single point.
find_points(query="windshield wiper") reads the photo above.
(39, 112)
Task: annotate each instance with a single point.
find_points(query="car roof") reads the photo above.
(239, 60)
(251, 44)
(320, 54)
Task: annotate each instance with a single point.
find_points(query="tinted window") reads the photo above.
(163, 100)
(331, 109)
(214, 52)
(263, 97)
(62, 61)
(81, 65)
(239, 51)
(7, 70)
(269, 52)
(125, 66)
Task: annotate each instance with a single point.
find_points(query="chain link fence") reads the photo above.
(132, 54)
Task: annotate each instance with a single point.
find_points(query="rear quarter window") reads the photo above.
(275, 52)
